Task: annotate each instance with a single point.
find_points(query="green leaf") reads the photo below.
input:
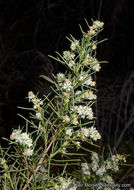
(48, 79)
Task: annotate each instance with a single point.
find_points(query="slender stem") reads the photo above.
(40, 161)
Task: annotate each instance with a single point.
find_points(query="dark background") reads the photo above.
(30, 30)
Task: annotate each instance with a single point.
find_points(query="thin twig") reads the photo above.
(126, 174)
(70, 164)
(40, 162)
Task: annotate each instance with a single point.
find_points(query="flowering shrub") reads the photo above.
(51, 152)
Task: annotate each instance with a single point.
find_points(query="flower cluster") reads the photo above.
(89, 81)
(99, 169)
(65, 184)
(78, 59)
(69, 132)
(3, 163)
(90, 132)
(66, 119)
(36, 102)
(64, 83)
(88, 95)
(84, 112)
(69, 56)
(83, 133)
(86, 169)
(95, 161)
(92, 62)
(24, 140)
(113, 162)
(74, 44)
(97, 25)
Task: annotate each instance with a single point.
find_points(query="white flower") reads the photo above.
(71, 63)
(77, 143)
(96, 67)
(38, 115)
(89, 81)
(15, 134)
(95, 157)
(74, 44)
(81, 110)
(101, 171)
(112, 165)
(118, 157)
(31, 95)
(108, 179)
(82, 76)
(36, 101)
(109, 164)
(21, 138)
(86, 95)
(85, 111)
(113, 162)
(91, 31)
(28, 152)
(94, 134)
(74, 119)
(69, 132)
(25, 140)
(41, 102)
(95, 27)
(60, 77)
(94, 46)
(72, 188)
(24, 136)
(85, 169)
(68, 55)
(64, 150)
(77, 92)
(97, 24)
(94, 166)
(67, 85)
(29, 142)
(66, 184)
(93, 62)
(66, 118)
(88, 60)
(85, 166)
(87, 172)
(85, 132)
(90, 95)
